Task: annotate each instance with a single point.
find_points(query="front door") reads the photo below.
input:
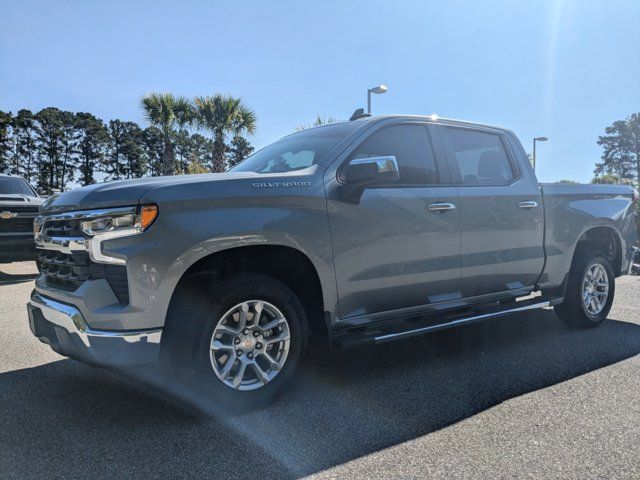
(390, 250)
(500, 211)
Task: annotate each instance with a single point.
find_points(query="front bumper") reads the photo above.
(65, 330)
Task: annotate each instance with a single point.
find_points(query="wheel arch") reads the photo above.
(604, 238)
(286, 263)
(598, 237)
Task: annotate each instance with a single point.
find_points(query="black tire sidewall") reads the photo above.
(227, 295)
(572, 311)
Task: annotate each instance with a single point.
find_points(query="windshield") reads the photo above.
(13, 186)
(297, 151)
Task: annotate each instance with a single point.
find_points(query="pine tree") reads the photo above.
(240, 149)
(201, 152)
(127, 157)
(6, 141)
(154, 149)
(69, 144)
(48, 135)
(621, 155)
(93, 141)
(24, 156)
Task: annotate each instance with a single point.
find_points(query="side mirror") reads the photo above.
(372, 170)
(361, 173)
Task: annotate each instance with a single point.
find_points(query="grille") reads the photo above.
(20, 209)
(69, 271)
(16, 224)
(63, 228)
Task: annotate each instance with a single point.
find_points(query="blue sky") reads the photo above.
(562, 69)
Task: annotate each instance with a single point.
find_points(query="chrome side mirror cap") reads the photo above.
(361, 173)
(372, 170)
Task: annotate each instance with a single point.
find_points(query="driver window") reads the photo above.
(411, 146)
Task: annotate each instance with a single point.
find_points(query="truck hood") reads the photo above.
(125, 192)
(12, 200)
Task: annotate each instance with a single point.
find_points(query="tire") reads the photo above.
(575, 312)
(212, 308)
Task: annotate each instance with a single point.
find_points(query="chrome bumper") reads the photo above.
(65, 330)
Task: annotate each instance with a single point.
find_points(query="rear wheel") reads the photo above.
(590, 291)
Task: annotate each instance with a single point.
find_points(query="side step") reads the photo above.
(381, 333)
(461, 321)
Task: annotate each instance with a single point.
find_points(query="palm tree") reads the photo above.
(223, 115)
(166, 112)
(317, 122)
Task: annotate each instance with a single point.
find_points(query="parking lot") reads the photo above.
(515, 397)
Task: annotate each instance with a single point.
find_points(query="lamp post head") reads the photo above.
(541, 139)
(379, 89)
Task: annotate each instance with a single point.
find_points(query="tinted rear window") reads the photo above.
(479, 158)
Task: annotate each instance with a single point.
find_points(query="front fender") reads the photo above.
(183, 235)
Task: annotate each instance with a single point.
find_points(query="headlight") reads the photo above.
(131, 221)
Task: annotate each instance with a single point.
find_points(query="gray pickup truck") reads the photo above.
(353, 233)
(19, 205)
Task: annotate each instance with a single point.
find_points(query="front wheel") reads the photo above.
(590, 291)
(249, 346)
(245, 337)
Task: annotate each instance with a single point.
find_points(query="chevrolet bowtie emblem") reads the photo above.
(7, 215)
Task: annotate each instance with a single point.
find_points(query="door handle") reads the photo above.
(440, 207)
(528, 204)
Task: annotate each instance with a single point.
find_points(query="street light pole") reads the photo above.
(537, 139)
(378, 90)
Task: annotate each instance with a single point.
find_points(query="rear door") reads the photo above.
(390, 250)
(501, 213)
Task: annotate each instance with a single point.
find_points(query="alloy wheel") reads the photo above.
(249, 345)
(595, 289)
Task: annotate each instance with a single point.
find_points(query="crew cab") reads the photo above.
(352, 233)
(19, 204)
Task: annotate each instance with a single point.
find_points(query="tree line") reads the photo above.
(54, 149)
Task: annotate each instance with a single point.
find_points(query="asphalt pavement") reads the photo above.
(516, 397)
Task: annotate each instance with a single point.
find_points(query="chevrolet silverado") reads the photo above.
(352, 233)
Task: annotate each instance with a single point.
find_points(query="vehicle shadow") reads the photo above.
(353, 403)
(345, 404)
(10, 279)
(69, 420)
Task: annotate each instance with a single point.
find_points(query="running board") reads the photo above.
(388, 331)
(454, 323)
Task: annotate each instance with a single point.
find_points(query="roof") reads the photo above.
(433, 118)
